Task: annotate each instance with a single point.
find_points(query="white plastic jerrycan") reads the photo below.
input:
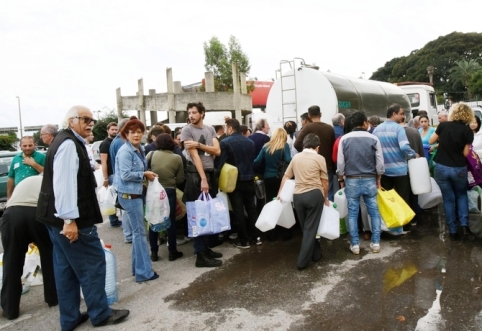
(269, 215)
(341, 203)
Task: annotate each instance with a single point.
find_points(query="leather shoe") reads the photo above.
(116, 316)
(83, 317)
(154, 256)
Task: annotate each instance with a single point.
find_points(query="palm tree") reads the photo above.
(463, 71)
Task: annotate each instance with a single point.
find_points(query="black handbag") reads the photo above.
(281, 165)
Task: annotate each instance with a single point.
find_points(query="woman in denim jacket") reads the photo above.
(130, 170)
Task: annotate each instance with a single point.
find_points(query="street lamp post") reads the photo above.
(20, 116)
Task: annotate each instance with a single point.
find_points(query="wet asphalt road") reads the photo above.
(401, 288)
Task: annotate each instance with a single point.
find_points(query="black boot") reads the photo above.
(154, 256)
(212, 254)
(173, 256)
(466, 234)
(454, 236)
(204, 261)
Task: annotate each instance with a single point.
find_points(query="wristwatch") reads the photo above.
(68, 221)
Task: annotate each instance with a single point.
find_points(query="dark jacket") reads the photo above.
(259, 140)
(89, 211)
(238, 151)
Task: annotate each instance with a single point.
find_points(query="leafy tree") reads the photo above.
(7, 141)
(462, 73)
(443, 53)
(218, 59)
(476, 85)
(100, 128)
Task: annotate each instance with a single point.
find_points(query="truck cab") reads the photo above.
(422, 97)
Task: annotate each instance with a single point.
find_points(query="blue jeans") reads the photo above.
(172, 230)
(453, 184)
(365, 187)
(114, 220)
(141, 262)
(331, 189)
(76, 265)
(126, 227)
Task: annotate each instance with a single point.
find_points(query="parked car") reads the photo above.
(5, 161)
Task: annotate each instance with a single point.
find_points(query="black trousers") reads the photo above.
(243, 198)
(18, 229)
(309, 206)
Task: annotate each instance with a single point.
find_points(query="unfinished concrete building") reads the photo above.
(175, 100)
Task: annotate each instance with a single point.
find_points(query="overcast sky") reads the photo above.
(55, 54)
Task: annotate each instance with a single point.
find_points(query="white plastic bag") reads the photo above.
(107, 200)
(157, 203)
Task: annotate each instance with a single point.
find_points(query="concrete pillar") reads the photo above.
(141, 107)
(242, 78)
(209, 81)
(153, 112)
(170, 96)
(236, 95)
(119, 104)
(181, 116)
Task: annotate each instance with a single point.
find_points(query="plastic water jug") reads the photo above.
(287, 217)
(270, 215)
(343, 228)
(286, 194)
(430, 200)
(110, 276)
(341, 203)
(329, 227)
(419, 176)
(228, 178)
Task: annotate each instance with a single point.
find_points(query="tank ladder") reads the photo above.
(289, 96)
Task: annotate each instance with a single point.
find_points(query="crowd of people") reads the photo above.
(59, 210)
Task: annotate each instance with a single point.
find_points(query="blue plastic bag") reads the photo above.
(198, 217)
(219, 213)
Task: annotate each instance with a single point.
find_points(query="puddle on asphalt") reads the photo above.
(405, 289)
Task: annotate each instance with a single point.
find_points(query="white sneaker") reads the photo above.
(233, 236)
(375, 247)
(355, 249)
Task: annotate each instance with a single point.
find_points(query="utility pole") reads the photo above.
(20, 116)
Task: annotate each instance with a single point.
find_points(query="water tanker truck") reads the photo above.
(299, 86)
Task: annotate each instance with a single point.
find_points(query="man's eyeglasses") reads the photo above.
(86, 119)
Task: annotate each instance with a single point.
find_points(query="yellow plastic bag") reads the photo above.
(393, 209)
(228, 178)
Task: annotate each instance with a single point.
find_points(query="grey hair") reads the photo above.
(443, 113)
(337, 119)
(260, 124)
(416, 120)
(50, 129)
(121, 124)
(73, 112)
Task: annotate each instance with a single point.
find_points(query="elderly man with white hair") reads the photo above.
(443, 116)
(68, 206)
(338, 121)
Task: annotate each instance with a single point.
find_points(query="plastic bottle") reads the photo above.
(259, 188)
(110, 276)
(28, 280)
